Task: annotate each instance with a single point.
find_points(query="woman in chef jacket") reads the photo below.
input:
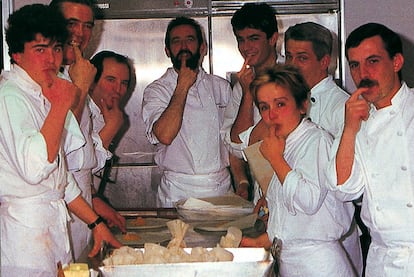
(304, 218)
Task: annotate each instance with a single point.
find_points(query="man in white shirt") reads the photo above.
(308, 46)
(374, 154)
(255, 28)
(89, 159)
(183, 112)
(108, 94)
(36, 190)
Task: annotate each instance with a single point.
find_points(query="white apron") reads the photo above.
(315, 260)
(39, 226)
(79, 232)
(176, 186)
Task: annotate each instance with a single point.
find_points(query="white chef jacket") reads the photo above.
(327, 106)
(327, 109)
(83, 162)
(197, 157)
(98, 124)
(307, 217)
(230, 116)
(383, 172)
(34, 235)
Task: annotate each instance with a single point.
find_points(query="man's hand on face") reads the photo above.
(81, 72)
(356, 110)
(186, 76)
(61, 93)
(246, 75)
(113, 115)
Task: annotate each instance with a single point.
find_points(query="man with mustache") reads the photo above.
(89, 159)
(374, 155)
(183, 112)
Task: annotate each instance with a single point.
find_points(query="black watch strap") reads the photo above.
(96, 222)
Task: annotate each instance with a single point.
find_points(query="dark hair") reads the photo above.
(392, 41)
(287, 76)
(98, 59)
(30, 20)
(318, 35)
(259, 16)
(57, 4)
(183, 21)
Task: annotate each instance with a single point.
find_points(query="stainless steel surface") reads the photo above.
(220, 208)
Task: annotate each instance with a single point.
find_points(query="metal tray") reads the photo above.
(223, 208)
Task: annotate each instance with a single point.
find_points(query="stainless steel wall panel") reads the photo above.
(143, 41)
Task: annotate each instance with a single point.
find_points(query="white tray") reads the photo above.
(247, 262)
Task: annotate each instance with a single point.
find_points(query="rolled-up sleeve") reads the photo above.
(155, 100)
(22, 139)
(74, 138)
(72, 190)
(353, 188)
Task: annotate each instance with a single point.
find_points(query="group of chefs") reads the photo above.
(326, 147)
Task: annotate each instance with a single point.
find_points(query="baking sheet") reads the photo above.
(242, 223)
(151, 223)
(144, 237)
(229, 207)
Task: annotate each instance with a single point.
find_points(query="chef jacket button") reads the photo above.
(399, 133)
(313, 99)
(392, 112)
(403, 168)
(409, 205)
(378, 208)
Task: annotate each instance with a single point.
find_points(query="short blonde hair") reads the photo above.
(287, 76)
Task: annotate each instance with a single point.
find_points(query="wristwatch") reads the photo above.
(95, 223)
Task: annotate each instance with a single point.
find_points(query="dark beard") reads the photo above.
(191, 62)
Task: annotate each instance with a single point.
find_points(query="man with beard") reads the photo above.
(374, 155)
(183, 112)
